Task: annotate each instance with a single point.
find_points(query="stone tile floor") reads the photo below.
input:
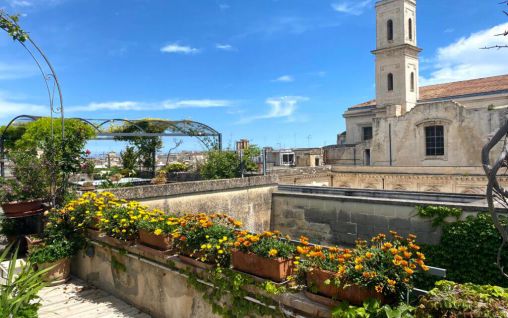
(77, 299)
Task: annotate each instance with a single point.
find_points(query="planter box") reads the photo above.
(114, 242)
(355, 295)
(276, 269)
(59, 273)
(159, 242)
(194, 262)
(17, 209)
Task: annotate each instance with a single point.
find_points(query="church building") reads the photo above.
(408, 125)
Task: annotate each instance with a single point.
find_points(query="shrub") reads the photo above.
(450, 299)
(267, 244)
(177, 167)
(221, 165)
(468, 251)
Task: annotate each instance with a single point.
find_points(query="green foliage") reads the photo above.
(9, 23)
(11, 135)
(18, 294)
(32, 175)
(157, 220)
(468, 251)
(438, 214)
(63, 156)
(210, 244)
(247, 159)
(146, 146)
(228, 295)
(117, 221)
(221, 165)
(177, 167)
(11, 226)
(450, 299)
(53, 251)
(372, 309)
(129, 158)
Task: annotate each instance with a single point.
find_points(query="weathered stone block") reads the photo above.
(398, 224)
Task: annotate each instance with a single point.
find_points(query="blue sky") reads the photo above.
(278, 72)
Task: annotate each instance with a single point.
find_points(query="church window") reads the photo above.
(389, 26)
(410, 29)
(434, 140)
(367, 133)
(390, 82)
(412, 80)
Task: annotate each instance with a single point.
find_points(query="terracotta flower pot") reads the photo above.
(59, 273)
(32, 241)
(94, 223)
(160, 242)
(353, 294)
(22, 208)
(276, 269)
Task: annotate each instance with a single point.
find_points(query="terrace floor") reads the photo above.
(77, 299)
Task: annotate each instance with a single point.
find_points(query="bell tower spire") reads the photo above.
(397, 64)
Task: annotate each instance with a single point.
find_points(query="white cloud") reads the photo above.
(9, 108)
(284, 79)
(280, 107)
(464, 59)
(10, 71)
(179, 49)
(224, 47)
(352, 7)
(20, 3)
(143, 106)
(224, 6)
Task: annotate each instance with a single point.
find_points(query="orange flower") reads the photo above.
(394, 251)
(369, 255)
(408, 255)
(379, 288)
(409, 270)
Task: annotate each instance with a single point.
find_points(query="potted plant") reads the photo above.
(53, 257)
(18, 200)
(206, 238)
(156, 230)
(11, 228)
(267, 255)
(382, 270)
(120, 223)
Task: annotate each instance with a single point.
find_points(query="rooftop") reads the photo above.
(479, 86)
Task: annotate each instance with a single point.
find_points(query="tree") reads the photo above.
(147, 147)
(248, 157)
(221, 165)
(129, 158)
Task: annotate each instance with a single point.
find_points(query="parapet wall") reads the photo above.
(248, 200)
(347, 215)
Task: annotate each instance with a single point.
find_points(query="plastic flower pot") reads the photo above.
(59, 273)
(13, 209)
(353, 294)
(275, 269)
(159, 242)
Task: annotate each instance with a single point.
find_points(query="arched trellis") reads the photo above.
(9, 23)
(111, 129)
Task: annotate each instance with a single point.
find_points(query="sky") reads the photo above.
(278, 72)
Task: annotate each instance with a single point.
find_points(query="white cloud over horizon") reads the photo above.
(465, 59)
(142, 106)
(284, 107)
(224, 47)
(284, 79)
(9, 108)
(175, 48)
(13, 70)
(355, 7)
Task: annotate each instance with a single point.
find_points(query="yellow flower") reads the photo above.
(158, 232)
(220, 251)
(273, 252)
(391, 282)
(359, 267)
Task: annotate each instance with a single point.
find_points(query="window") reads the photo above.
(410, 29)
(288, 159)
(389, 27)
(367, 133)
(412, 80)
(434, 140)
(390, 82)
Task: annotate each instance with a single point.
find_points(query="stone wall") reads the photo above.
(248, 199)
(342, 219)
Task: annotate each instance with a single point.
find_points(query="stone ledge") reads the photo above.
(294, 303)
(183, 188)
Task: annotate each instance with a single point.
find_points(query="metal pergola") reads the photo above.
(108, 129)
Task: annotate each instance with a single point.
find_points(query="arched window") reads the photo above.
(389, 27)
(390, 82)
(410, 29)
(412, 80)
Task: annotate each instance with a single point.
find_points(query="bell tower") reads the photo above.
(396, 54)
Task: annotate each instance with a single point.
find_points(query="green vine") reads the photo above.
(228, 297)
(438, 214)
(9, 23)
(116, 265)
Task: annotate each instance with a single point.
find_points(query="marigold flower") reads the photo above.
(273, 252)
(359, 267)
(391, 282)
(409, 270)
(157, 232)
